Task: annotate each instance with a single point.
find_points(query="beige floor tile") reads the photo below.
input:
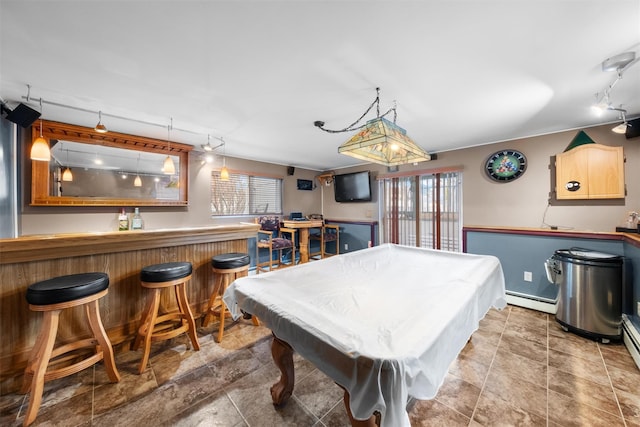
(565, 411)
(492, 410)
(517, 393)
(585, 368)
(583, 391)
(519, 366)
(432, 413)
(458, 395)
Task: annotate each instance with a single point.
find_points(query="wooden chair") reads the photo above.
(271, 238)
(324, 236)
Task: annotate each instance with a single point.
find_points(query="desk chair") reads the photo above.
(325, 235)
(273, 237)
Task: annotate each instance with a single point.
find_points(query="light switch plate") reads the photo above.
(528, 276)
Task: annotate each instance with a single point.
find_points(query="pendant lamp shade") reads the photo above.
(169, 168)
(224, 174)
(40, 150)
(137, 182)
(67, 175)
(383, 142)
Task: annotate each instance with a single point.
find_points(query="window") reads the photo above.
(245, 194)
(423, 210)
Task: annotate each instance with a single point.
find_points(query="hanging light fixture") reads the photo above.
(138, 181)
(622, 127)
(224, 172)
(67, 175)
(169, 168)
(40, 148)
(100, 128)
(379, 140)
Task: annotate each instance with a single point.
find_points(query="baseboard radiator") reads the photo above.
(631, 337)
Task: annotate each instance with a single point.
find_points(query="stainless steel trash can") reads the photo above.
(590, 294)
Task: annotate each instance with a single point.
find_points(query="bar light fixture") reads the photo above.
(379, 140)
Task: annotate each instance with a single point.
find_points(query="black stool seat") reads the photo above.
(165, 272)
(66, 288)
(230, 260)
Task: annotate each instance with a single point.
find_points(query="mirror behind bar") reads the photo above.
(104, 168)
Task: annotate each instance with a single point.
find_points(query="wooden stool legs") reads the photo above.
(152, 328)
(43, 352)
(216, 307)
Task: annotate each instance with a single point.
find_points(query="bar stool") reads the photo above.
(157, 277)
(51, 297)
(227, 267)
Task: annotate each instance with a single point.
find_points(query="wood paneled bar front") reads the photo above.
(29, 259)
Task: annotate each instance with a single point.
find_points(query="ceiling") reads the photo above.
(259, 73)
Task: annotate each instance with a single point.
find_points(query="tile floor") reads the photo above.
(519, 368)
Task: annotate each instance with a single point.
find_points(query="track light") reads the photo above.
(169, 168)
(40, 148)
(622, 127)
(100, 128)
(224, 172)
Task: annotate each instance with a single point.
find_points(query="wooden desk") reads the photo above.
(427, 303)
(303, 227)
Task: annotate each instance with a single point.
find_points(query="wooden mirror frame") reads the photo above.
(40, 176)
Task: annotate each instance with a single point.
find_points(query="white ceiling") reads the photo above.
(259, 73)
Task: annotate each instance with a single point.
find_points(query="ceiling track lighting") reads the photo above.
(619, 63)
(100, 128)
(379, 140)
(40, 148)
(30, 100)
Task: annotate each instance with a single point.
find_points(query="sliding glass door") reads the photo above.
(422, 210)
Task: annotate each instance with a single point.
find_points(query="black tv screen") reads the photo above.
(352, 187)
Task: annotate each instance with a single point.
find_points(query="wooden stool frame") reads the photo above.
(153, 327)
(217, 307)
(43, 351)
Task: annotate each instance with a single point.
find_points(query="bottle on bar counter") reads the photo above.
(136, 221)
(123, 221)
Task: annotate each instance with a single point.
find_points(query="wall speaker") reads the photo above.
(290, 170)
(633, 129)
(22, 115)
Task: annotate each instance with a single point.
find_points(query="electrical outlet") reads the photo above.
(638, 308)
(528, 276)
(346, 246)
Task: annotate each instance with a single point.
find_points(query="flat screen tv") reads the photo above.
(352, 187)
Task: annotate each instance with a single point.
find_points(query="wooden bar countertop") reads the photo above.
(51, 246)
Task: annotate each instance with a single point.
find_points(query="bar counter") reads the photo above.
(120, 254)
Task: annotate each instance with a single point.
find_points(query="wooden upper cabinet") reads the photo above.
(590, 171)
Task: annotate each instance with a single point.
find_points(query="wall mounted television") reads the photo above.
(352, 187)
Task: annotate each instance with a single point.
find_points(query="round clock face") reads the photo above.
(505, 165)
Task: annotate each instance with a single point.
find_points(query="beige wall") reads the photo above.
(520, 203)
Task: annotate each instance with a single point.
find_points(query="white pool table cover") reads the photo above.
(385, 322)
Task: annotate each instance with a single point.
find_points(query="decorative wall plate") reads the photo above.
(505, 165)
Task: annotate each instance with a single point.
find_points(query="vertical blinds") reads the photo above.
(423, 210)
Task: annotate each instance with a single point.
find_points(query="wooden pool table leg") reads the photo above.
(373, 421)
(282, 354)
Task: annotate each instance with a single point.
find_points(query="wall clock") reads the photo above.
(505, 165)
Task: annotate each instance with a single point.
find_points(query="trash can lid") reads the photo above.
(588, 255)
